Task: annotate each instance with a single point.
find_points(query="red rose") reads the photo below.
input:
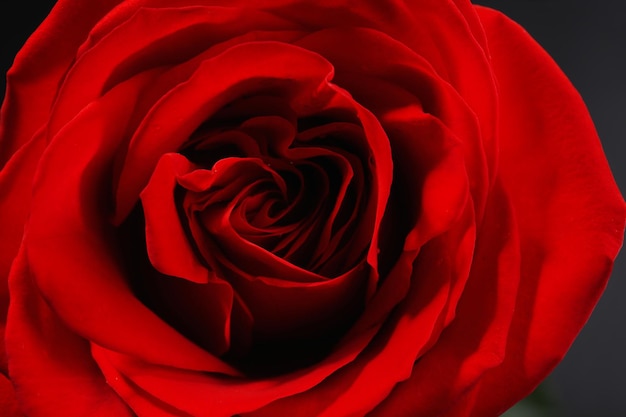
(293, 209)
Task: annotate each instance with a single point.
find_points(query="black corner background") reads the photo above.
(588, 41)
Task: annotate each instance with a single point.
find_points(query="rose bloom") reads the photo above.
(293, 208)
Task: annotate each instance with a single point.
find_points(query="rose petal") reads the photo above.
(200, 393)
(182, 110)
(302, 311)
(432, 157)
(74, 263)
(168, 245)
(141, 402)
(50, 363)
(569, 210)
(344, 235)
(8, 402)
(149, 39)
(476, 340)
(295, 250)
(210, 314)
(400, 88)
(211, 227)
(15, 186)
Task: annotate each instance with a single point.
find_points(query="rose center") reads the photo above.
(257, 231)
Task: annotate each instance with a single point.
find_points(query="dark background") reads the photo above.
(588, 41)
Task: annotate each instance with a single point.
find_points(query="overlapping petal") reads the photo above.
(49, 362)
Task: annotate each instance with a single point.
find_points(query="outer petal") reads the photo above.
(476, 340)
(569, 210)
(49, 364)
(79, 234)
(15, 188)
(31, 88)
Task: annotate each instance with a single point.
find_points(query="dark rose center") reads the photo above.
(269, 203)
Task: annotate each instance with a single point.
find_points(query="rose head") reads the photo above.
(292, 208)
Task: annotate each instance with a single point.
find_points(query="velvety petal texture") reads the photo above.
(332, 208)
